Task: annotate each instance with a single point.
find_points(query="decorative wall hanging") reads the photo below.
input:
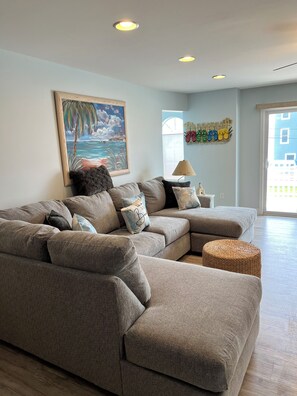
(92, 132)
(211, 132)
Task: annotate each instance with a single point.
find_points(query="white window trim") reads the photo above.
(285, 118)
(281, 135)
(175, 132)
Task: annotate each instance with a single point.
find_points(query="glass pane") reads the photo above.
(173, 152)
(173, 125)
(281, 189)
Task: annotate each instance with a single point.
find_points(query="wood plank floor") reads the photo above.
(273, 367)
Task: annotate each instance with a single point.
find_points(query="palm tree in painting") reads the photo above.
(78, 116)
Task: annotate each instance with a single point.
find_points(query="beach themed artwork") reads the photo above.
(210, 132)
(92, 132)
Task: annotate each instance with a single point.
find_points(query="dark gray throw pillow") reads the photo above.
(91, 181)
(171, 201)
(56, 220)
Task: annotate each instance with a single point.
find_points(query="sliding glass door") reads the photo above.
(280, 152)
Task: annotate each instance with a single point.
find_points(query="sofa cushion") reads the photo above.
(171, 201)
(135, 216)
(127, 190)
(54, 219)
(186, 197)
(91, 181)
(172, 228)
(225, 221)
(104, 254)
(196, 324)
(26, 240)
(146, 243)
(119, 193)
(154, 192)
(97, 208)
(35, 213)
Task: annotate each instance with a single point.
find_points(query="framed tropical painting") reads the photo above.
(92, 132)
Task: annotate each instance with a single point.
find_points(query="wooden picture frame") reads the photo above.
(92, 132)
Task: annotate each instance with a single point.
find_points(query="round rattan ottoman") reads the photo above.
(232, 255)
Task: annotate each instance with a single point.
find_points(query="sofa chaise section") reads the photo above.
(206, 224)
(190, 333)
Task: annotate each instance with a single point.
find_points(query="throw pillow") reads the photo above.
(97, 208)
(79, 223)
(136, 217)
(91, 181)
(56, 220)
(171, 201)
(186, 197)
(154, 193)
(129, 201)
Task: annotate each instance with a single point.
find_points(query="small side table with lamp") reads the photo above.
(184, 168)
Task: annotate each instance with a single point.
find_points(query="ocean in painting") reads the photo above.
(112, 154)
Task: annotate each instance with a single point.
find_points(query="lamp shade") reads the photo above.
(184, 168)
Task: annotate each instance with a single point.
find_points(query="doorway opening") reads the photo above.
(280, 170)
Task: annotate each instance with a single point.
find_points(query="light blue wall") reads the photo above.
(250, 127)
(30, 162)
(216, 164)
(232, 168)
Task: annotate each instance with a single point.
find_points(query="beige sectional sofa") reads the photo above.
(206, 224)
(101, 307)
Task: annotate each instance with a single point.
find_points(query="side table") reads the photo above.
(206, 200)
(232, 255)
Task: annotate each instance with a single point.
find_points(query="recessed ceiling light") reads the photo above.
(187, 58)
(218, 76)
(126, 26)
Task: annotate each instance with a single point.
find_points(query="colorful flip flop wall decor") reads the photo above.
(210, 132)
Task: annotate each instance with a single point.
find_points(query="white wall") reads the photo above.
(30, 164)
(250, 126)
(216, 164)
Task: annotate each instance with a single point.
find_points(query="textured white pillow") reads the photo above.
(186, 197)
(136, 217)
(129, 201)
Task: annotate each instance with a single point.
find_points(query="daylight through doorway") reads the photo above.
(281, 165)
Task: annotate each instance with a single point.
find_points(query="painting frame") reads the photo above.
(88, 126)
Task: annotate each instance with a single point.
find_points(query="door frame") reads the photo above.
(265, 112)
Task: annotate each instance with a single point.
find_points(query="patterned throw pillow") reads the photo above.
(186, 197)
(129, 201)
(136, 217)
(79, 223)
(91, 181)
(56, 220)
(170, 197)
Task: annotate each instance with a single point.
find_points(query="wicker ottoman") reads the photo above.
(232, 255)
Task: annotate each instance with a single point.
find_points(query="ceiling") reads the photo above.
(244, 39)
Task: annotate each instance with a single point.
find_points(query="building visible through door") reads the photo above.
(281, 162)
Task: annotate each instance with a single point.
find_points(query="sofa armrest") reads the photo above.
(71, 318)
